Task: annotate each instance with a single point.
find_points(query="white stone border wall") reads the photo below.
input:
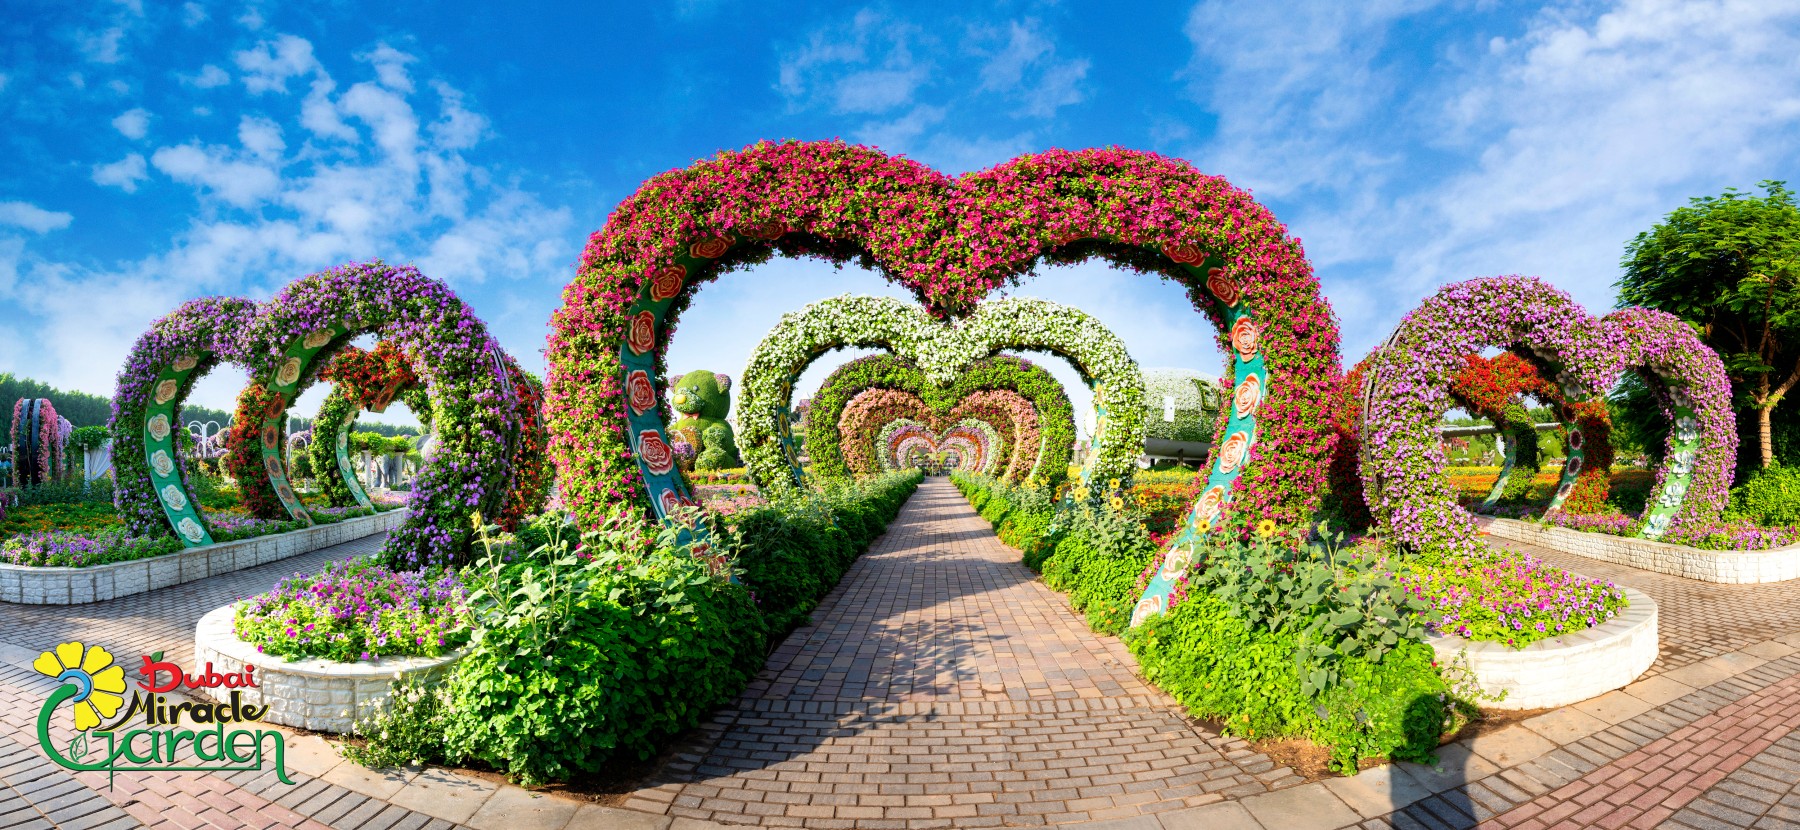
(1561, 670)
(1736, 567)
(31, 585)
(315, 694)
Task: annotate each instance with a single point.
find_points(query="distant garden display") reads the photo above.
(1024, 403)
(942, 353)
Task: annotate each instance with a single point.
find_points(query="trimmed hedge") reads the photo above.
(793, 552)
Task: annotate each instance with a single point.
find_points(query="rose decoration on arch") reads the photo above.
(1223, 286)
(667, 283)
(640, 393)
(657, 454)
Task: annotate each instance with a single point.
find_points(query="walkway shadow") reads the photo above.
(1412, 786)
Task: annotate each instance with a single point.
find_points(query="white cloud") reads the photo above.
(867, 68)
(241, 184)
(133, 123)
(311, 181)
(33, 218)
(4, 80)
(123, 174)
(192, 14)
(1026, 67)
(103, 46)
(261, 137)
(268, 66)
(390, 67)
(208, 77)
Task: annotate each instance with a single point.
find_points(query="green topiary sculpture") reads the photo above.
(704, 398)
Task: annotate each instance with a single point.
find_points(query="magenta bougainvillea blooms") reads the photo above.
(952, 242)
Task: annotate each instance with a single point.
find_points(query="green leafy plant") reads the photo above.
(1769, 497)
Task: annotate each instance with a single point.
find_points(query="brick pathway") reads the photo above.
(940, 686)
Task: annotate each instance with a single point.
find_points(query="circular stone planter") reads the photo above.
(321, 695)
(1561, 670)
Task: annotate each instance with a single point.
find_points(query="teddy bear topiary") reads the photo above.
(704, 398)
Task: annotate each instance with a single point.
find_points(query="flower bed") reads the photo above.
(173, 565)
(727, 499)
(314, 693)
(1564, 669)
(357, 610)
(1510, 598)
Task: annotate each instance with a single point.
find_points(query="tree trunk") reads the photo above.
(1765, 435)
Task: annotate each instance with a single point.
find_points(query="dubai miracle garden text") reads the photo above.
(151, 735)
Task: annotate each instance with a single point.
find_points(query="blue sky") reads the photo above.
(155, 152)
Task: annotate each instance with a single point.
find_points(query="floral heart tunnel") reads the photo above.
(951, 241)
(941, 351)
(477, 395)
(975, 444)
(1019, 399)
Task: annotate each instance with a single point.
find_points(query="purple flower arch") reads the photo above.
(952, 242)
(160, 370)
(1407, 392)
(283, 343)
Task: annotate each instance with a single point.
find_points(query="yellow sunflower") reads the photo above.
(101, 682)
(1117, 503)
(1265, 528)
(1203, 528)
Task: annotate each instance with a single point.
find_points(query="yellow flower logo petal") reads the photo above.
(102, 683)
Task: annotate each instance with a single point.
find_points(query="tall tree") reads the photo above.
(1730, 265)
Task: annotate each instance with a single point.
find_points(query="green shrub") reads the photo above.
(1770, 497)
(793, 552)
(1274, 638)
(574, 655)
(1212, 661)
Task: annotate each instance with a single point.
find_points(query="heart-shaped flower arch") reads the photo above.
(282, 343)
(951, 241)
(941, 351)
(1488, 388)
(1406, 395)
(977, 443)
(870, 414)
(1038, 421)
